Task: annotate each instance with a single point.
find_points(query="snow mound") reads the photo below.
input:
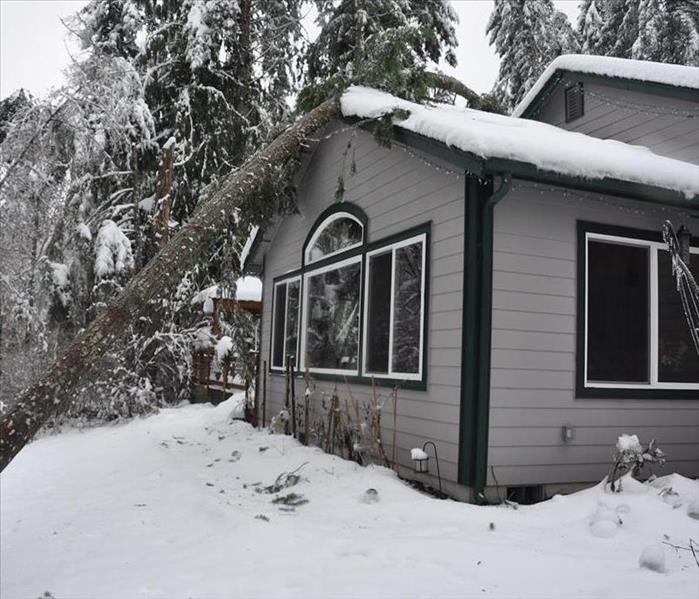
(638, 70)
(653, 558)
(547, 147)
(605, 522)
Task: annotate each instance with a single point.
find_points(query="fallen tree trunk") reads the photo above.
(453, 85)
(53, 393)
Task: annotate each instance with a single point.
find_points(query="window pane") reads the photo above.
(341, 233)
(617, 317)
(407, 305)
(292, 319)
(379, 312)
(677, 359)
(279, 305)
(332, 332)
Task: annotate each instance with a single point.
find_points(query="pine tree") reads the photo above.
(666, 33)
(527, 35)
(590, 24)
(619, 29)
(160, 79)
(385, 44)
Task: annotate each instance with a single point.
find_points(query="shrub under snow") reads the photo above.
(653, 558)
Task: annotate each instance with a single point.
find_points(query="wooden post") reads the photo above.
(264, 393)
(306, 400)
(394, 457)
(328, 432)
(287, 395)
(293, 396)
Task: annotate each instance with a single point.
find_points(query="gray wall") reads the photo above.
(397, 191)
(533, 359)
(658, 122)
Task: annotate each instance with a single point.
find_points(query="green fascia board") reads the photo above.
(486, 166)
(646, 87)
(480, 166)
(616, 187)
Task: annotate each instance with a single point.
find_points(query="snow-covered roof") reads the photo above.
(609, 66)
(546, 147)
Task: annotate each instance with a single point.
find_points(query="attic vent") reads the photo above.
(575, 102)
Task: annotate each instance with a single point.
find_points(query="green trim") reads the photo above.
(466, 161)
(480, 200)
(646, 87)
(363, 250)
(616, 187)
(334, 208)
(484, 350)
(478, 165)
(582, 392)
(474, 190)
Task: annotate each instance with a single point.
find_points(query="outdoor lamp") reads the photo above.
(684, 238)
(420, 460)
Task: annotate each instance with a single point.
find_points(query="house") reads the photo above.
(507, 274)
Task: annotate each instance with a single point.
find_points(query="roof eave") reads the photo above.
(650, 87)
(483, 166)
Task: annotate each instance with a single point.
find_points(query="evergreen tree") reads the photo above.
(619, 29)
(385, 44)
(666, 33)
(195, 86)
(590, 24)
(527, 35)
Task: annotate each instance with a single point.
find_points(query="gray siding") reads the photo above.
(533, 349)
(663, 124)
(397, 191)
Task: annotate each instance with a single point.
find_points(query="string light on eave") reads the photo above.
(602, 200)
(642, 108)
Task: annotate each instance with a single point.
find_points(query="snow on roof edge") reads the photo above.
(610, 66)
(547, 147)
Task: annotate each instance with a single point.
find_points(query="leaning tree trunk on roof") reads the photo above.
(453, 85)
(52, 394)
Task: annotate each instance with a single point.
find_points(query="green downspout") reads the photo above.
(484, 338)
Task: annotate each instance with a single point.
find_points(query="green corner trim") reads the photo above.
(480, 200)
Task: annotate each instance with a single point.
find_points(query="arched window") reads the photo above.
(338, 229)
(354, 308)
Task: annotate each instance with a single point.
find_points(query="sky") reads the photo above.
(35, 49)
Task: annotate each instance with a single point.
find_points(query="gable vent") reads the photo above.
(575, 102)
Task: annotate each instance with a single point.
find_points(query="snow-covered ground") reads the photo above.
(169, 506)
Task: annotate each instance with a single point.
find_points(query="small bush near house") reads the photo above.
(631, 456)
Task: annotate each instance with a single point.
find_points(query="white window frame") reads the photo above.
(286, 318)
(653, 248)
(304, 313)
(321, 228)
(392, 247)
